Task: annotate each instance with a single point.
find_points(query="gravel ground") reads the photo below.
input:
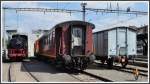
(86, 78)
(4, 71)
(17, 74)
(46, 73)
(114, 75)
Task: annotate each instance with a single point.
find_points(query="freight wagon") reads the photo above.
(115, 45)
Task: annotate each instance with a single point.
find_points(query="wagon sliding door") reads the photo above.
(131, 41)
(112, 43)
(58, 37)
(122, 42)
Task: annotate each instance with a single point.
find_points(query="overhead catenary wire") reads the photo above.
(43, 10)
(117, 11)
(110, 10)
(107, 10)
(84, 10)
(87, 10)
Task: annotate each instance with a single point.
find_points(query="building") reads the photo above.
(142, 40)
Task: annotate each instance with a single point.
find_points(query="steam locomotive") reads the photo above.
(18, 47)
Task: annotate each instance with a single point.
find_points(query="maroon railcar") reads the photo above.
(18, 47)
(69, 44)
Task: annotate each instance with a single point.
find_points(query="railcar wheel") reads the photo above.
(124, 62)
(67, 59)
(102, 61)
(124, 65)
(110, 62)
(91, 58)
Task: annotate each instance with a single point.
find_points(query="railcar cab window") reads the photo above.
(77, 40)
(77, 32)
(77, 36)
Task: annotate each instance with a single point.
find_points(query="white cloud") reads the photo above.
(122, 21)
(19, 4)
(50, 19)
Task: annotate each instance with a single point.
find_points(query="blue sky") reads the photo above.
(49, 19)
(27, 21)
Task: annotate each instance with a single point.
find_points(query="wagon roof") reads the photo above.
(117, 27)
(74, 22)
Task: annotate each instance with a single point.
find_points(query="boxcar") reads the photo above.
(115, 44)
(69, 44)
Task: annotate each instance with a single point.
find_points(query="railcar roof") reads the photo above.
(115, 28)
(72, 22)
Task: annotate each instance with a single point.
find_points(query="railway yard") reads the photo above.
(33, 70)
(82, 42)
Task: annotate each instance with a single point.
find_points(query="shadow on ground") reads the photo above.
(34, 65)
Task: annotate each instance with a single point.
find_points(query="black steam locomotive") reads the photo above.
(18, 47)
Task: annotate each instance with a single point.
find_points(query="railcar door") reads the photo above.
(78, 37)
(58, 37)
(122, 42)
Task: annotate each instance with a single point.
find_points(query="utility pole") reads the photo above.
(4, 47)
(83, 10)
(3, 38)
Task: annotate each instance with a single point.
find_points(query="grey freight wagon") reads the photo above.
(116, 44)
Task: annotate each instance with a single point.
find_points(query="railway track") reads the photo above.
(97, 77)
(127, 69)
(102, 78)
(84, 76)
(12, 74)
(30, 72)
(9, 73)
(130, 70)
